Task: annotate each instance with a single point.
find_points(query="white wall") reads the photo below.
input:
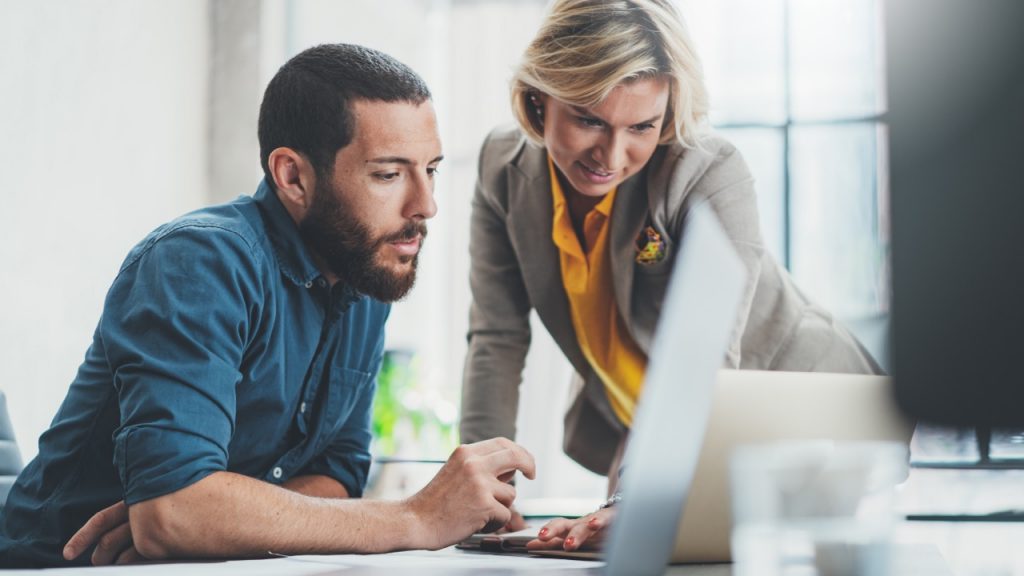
(102, 137)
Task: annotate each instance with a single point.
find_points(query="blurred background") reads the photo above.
(118, 115)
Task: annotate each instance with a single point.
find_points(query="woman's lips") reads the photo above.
(595, 175)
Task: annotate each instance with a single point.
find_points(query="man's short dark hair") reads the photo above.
(306, 106)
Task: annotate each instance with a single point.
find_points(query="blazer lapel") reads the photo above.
(531, 216)
(628, 217)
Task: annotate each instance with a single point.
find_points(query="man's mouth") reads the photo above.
(407, 246)
(407, 241)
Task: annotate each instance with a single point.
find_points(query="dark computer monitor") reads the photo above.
(955, 78)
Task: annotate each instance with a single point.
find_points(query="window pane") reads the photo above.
(762, 148)
(839, 250)
(406, 34)
(741, 45)
(835, 56)
(481, 60)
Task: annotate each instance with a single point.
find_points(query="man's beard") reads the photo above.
(347, 247)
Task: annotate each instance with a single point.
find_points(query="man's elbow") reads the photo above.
(158, 530)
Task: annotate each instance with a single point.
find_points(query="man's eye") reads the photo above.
(386, 176)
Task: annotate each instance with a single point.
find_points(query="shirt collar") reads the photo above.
(604, 207)
(291, 252)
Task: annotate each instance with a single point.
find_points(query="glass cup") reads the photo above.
(814, 508)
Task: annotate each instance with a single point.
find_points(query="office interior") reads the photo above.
(119, 115)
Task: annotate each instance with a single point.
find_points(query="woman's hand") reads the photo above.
(585, 533)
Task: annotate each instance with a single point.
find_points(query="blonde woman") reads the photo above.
(578, 213)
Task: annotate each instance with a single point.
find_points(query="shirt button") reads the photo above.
(321, 282)
(302, 408)
(277, 472)
(309, 284)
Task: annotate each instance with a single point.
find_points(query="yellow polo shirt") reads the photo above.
(587, 276)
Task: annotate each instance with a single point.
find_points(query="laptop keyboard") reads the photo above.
(967, 448)
(1007, 446)
(965, 475)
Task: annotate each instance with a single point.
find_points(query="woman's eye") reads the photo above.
(644, 127)
(590, 122)
(432, 171)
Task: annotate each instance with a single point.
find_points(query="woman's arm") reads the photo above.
(499, 328)
(723, 183)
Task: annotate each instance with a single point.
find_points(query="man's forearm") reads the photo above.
(317, 485)
(230, 515)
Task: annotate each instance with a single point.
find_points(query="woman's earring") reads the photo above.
(537, 107)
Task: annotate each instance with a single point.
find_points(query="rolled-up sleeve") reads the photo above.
(175, 326)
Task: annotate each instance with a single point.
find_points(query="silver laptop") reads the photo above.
(661, 460)
(691, 415)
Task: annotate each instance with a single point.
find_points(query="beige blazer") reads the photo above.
(515, 268)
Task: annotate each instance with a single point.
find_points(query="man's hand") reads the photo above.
(108, 529)
(515, 523)
(586, 533)
(470, 493)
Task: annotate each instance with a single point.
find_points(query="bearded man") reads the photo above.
(223, 407)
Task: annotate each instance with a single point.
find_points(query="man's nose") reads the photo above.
(421, 204)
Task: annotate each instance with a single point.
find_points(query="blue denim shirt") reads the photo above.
(220, 347)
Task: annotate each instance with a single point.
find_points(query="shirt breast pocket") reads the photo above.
(347, 388)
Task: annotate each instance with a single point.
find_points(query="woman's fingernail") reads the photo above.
(570, 542)
(592, 522)
(543, 532)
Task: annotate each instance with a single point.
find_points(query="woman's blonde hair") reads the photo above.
(585, 48)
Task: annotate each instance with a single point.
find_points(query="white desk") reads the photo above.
(448, 562)
(972, 548)
(968, 548)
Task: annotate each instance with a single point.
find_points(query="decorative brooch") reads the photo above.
(650, 248)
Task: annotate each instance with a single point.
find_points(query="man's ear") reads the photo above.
(294, 179)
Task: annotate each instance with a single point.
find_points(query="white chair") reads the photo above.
(10, 456)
